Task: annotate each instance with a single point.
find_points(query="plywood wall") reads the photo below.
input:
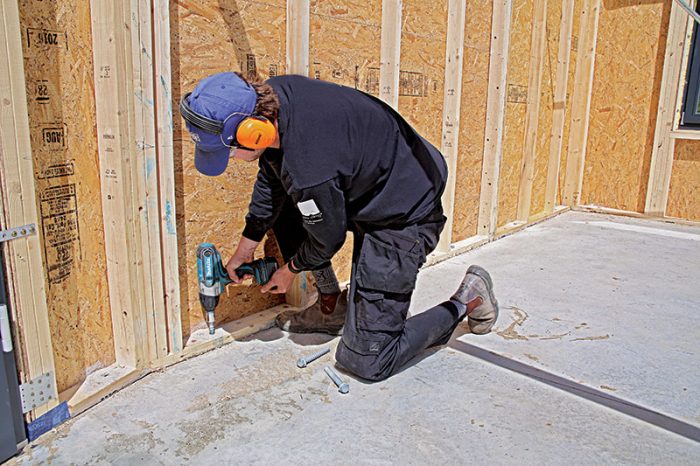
(626, 83)
(208, 37)
(422, 71)
(57, 49)
(475, 76)
(684, 196)
(353, 26)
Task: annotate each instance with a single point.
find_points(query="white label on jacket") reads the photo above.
(309, 210)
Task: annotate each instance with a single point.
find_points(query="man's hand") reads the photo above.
(244, 253)
(280, 282)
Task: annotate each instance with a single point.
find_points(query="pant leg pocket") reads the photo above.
(376, 324)
(385, 276)
(376, 313)
(390, 260)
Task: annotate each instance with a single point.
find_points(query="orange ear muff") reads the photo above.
(256, 132)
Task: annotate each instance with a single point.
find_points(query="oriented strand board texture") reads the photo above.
(546, 112)
(684, 195)
(627, 78)
(57, 48)
(569, 93)
(344, 44)
(208, 37)
(516, 108)
(475, 76)
(422, 77)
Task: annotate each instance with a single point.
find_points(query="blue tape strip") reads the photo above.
(48, 421)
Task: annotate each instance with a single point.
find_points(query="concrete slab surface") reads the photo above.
(612, 307)
(610, 302)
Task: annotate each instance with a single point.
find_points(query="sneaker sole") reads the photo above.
(486, 277)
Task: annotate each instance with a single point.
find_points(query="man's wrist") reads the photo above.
(292, 268)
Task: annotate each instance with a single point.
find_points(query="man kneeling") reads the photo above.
(333, 159)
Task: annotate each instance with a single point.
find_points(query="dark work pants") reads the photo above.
(378, 339)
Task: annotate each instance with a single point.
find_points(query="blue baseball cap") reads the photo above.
(226, 99)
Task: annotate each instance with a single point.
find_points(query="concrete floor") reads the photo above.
(609, 302)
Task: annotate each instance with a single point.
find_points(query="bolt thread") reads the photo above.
(316, 355)
(334, 377)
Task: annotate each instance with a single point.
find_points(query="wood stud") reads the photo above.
(581, 102)
(166, 171)
(532, 116)
(122, 198)
(26, 285)
(560, 104)
(495, 114)
(298, 37)
(390, 52)
(451, 110)
(662, 152)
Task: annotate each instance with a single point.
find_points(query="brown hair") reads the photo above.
(268, 104)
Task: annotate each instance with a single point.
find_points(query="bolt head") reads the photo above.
(344, 388)
(301, 363)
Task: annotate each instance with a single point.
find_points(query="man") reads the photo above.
(333, 159)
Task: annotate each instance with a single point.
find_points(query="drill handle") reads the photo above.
(245, 269)
(260, 269)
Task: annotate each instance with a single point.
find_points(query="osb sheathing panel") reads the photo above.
(628, 67)
(422, 76)
(344, 48)
(546, 110)
(57, 47)
(208, 37)
(475, 76)
(684, 195)
(569, 92)
(516, 108)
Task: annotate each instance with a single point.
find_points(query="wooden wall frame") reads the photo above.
(298, 37)
(114, 71)
(668, 112)
(495, 117)
(166, 171)
(559, 105)
(452, 100)
(532, 115)
(25, 266)
(581, 102)
(390, 52)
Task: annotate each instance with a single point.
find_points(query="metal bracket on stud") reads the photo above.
(37, 392)
(19, 232)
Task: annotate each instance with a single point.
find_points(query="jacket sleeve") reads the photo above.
(322, 209)
(266, 203)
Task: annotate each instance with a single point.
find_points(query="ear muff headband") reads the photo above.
(200, 121)
(254, 132)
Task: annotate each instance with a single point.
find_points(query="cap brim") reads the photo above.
(211, 163)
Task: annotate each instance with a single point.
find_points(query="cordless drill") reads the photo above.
(213, 277)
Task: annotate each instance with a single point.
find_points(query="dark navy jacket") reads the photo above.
(345, 158)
